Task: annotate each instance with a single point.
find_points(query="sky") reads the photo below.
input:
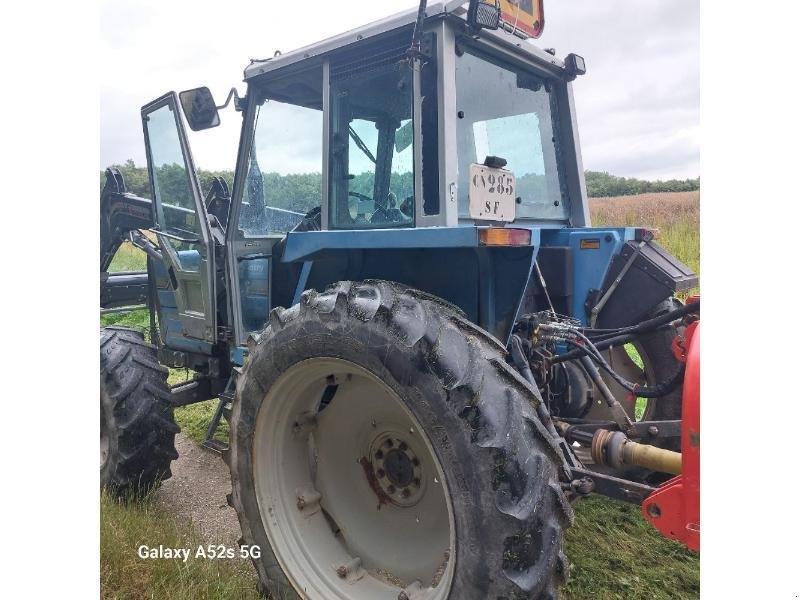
(638, 105)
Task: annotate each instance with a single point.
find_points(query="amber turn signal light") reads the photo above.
(504, 236)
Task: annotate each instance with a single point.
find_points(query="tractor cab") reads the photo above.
(404, 124)
(445, 133)
(392, 135)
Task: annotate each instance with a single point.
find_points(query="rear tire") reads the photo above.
(137, 427)
(654, 350)
(500, 466)
(658, 346)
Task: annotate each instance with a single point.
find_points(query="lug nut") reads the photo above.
(402, 596)
(416, 482)
(380, 473)
(341, 571)
(415, 461)
(403, 446)
(379, 454)
(391, 489)
(389, 443)
(406, 493)
(652, 430)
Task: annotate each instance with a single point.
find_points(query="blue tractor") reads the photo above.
(424, 350)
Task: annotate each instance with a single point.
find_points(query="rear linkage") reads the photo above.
(625, 459)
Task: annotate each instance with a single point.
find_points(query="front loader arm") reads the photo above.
(120, 213)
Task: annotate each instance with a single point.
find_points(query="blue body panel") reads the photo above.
(306, 245)
(171, 329)
(491, 284)
(499, 269)
(238, 354)
(590, 264)
(487, 282)
(254, 287)
(190, 259)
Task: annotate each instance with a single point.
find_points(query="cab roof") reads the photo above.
(453, 9)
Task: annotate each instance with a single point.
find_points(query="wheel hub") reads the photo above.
(398, 470)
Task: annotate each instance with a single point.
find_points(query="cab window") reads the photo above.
(371, 146)
(284, 175)
(511, 114)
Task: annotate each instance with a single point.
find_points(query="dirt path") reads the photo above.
(197, 491)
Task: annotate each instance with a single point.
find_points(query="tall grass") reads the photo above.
(128, 258)
(615, 553)
(124, 526)
(676, 215)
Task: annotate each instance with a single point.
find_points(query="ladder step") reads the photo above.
(215, 445)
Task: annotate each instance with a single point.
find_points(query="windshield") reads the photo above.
(284, 172)
(507, 113)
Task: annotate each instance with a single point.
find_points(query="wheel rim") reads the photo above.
(351, 494)
(623, 360)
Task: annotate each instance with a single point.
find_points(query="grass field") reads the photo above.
(676, 216)
(614, 552)
(123, 575)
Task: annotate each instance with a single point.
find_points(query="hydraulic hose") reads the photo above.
(523, 366)
(627, 334)
(656, 391)
(649, 324)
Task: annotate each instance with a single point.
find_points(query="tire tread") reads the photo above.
(135, 388)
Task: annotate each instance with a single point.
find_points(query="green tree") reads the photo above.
(301, 192)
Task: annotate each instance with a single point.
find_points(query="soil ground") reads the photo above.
(197, 492)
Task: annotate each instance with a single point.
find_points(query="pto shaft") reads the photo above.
(615, 449)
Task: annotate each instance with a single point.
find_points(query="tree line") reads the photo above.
(601, 184)
(300, 191)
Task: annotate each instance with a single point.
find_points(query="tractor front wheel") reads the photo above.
(137, 428)
(382, 448)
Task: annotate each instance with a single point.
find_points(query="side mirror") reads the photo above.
(483, 14)
(200, 109)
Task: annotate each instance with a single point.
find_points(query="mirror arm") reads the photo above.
(239, 103)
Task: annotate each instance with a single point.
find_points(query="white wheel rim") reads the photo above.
(352, 497)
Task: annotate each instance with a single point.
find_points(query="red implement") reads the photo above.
(674, 508)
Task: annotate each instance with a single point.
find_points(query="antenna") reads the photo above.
(415, 51)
